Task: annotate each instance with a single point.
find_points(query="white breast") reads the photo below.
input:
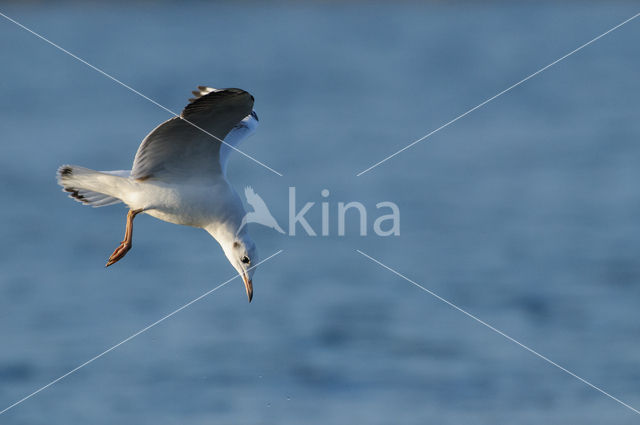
(196, 204)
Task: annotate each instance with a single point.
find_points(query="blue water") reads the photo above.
(525, 213)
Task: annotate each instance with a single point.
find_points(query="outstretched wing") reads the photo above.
(245, 128)
(189, 145)
(202, 90)
(241, 131)
(255, 200)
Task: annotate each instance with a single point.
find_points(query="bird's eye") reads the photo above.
(245, 260)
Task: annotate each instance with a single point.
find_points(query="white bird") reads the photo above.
(260, 213)
(179, 176)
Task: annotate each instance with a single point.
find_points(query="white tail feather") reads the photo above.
(95, 188)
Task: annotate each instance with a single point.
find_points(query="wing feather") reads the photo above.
(189, 145)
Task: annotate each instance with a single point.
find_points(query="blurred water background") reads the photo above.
(525, 213)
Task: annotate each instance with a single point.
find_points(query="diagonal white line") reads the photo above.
(157, 322)
(498, 331)
(480, 105)
(109, 76)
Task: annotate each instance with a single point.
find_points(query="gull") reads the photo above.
(179, 176)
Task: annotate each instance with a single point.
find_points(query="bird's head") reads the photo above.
(243, 256)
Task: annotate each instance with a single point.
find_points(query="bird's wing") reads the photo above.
(254, 200)
(202, 90)
(249, 193)
(245, 128)
(189, 145)
(241, 131)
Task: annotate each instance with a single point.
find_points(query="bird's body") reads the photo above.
(190, 203)
(179, 175)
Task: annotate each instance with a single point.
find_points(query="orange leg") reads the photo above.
(125, 245)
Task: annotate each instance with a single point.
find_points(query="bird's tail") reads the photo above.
(95, 188)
